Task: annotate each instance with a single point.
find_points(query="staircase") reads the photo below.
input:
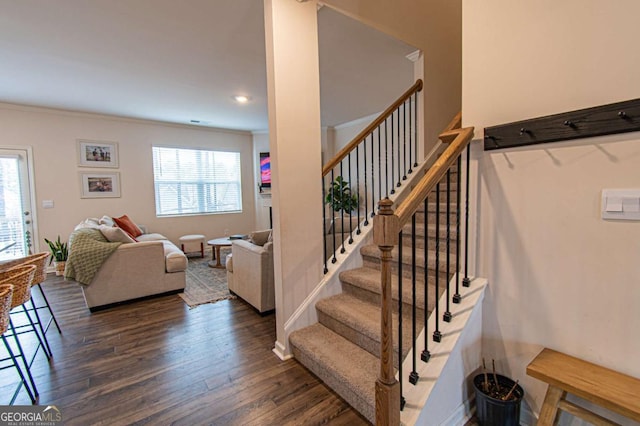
(343, 348)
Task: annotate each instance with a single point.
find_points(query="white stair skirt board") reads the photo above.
(442, 390)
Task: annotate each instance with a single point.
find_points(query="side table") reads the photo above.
(216, 244)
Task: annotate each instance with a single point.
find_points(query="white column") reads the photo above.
(293, 83)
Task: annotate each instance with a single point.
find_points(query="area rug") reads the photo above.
(205, 284)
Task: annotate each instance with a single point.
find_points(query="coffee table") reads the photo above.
(216, 244)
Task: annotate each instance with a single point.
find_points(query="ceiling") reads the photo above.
(182, 61)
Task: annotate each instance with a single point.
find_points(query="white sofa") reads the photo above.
(250, 271)
(151, 266)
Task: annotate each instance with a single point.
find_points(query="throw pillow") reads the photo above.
(106, 220)
(128, 226)
(259, 238)
(115, 235)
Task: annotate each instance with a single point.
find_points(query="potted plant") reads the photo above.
(340, 196)
(59, 254)
(498, 399)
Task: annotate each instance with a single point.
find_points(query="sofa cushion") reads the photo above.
(151, 237)
(175, 260)
(128, 226)
(260, 238)
(229, 262)
(115, 235)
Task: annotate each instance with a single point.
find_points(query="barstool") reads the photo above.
(40, 261)
(6, 294)
(20, 277)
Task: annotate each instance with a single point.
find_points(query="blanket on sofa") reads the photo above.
(88, 249)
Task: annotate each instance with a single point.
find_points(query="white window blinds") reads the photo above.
(196, 181)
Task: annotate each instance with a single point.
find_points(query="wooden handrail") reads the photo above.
(370, 128)
(435, 173)
(455, 123)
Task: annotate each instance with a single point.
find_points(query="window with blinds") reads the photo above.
(196, 181)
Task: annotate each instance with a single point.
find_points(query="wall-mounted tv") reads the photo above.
(265, 170)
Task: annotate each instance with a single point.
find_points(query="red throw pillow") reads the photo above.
(127, 225)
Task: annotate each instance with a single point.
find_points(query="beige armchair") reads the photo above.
(250, 273)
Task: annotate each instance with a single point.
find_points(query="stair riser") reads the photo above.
(375, 299)
(431, 243)
(406, 271)
(365, 342)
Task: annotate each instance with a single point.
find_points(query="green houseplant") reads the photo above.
(59, 254)
(340, 196)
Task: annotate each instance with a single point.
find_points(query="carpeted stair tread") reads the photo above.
(359, 321)
(372, 252)
(368, 279)
(348, 369)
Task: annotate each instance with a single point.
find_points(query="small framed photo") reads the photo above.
(97, 153)
(99, 185)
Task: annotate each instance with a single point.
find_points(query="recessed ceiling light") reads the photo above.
(241, 99)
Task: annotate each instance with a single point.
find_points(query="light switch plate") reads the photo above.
(620, 204)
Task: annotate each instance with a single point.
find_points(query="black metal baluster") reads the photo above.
(350, 195)
(402, 400)
(324, 225)
(399, 150)
(373, 180)
(410, 135)
(333, 218)
(447, 314)
(437, 336)
(379, 164)
(358, 185)
(425, 353)
(366, 192)
(386, 158)
(404, 140)
(415, 129)
(413, 376)
(393, 159)
(342, 249)
(466, 281)
(456, 297)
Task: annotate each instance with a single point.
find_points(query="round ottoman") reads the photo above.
(191, 240)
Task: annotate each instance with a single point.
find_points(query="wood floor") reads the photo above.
(157, 362)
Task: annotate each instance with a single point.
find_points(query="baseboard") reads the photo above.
(280, 352)
(462, 414)
(527, 416)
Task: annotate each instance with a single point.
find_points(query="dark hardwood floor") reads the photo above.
(157, 362)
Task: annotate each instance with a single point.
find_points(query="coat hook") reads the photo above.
(622, 114)
(523, 131)
(569, 123)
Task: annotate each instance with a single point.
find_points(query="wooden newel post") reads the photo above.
(385, 236)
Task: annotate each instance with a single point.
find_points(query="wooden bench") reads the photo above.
(604, 387)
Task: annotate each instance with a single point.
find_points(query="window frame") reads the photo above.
(204, 187)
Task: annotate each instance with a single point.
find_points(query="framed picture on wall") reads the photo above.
(99, 185)
(97, 153)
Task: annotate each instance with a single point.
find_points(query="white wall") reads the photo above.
(52, 134)
(559, 275)
(433, 27)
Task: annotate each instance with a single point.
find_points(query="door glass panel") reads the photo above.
(15, 212)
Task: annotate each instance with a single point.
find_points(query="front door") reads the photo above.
(16, 216)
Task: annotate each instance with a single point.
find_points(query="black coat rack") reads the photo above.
(601, 120)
